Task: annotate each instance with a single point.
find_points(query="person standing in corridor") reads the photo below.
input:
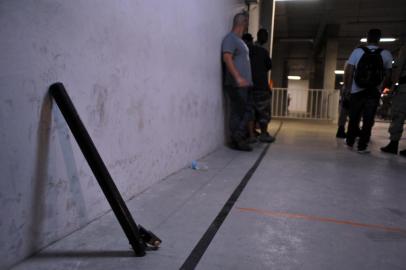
(261, 64)
(238, 81)
(368, 70)
(398, 106)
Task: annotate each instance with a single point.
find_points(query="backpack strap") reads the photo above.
(365, 49)
(379, 50)
(368, 50)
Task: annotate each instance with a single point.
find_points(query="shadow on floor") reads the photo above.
(86, 254)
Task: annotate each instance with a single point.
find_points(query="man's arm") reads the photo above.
(400, 62)
(228, 60)
(268, 63)
(387, 81)
(268, 60)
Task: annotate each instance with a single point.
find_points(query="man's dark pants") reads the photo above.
(262, 107)
(343, 114)
(240, 111)
(362, 105)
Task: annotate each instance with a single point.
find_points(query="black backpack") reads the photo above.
(370, 71)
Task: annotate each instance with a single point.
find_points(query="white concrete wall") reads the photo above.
(145, 76)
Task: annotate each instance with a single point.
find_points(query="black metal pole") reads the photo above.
(100, 171)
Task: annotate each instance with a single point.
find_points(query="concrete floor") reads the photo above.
(311, 204)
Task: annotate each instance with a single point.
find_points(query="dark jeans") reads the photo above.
(362, 104)
(343, 114)
(398, 113)
(262, 107)
(241, 110)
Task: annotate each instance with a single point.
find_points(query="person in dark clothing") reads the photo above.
(398, 116)
(364, 99)
(343, 114)
(252, 134)
(261, 64)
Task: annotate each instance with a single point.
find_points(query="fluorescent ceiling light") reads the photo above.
(388, 39)
(339, 72)
(381, 40)
(341, 83)
(296, 78)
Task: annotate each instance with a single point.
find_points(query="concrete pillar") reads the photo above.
(330, 63)
(254, 11)
(278, 66)
(267, 14)
(316, 74)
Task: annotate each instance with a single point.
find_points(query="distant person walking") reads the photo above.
(368, 69)
(398, 106)
(343, 113)
(238, 81)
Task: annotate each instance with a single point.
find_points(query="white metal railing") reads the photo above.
(315, 104)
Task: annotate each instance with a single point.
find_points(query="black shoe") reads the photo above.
(266, 138)
(241, 146)
(349, 144)
(391, 148)
(402, 153)
(363, 150)
(244, 146)
(252, 140)
(341, 133)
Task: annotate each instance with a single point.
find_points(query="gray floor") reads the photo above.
(311, 204)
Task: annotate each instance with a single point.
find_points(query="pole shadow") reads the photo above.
(86, 254)
(41, 180)
(40, 174)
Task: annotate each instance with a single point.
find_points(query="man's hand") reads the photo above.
(228, 60)
(346, 92)
(241, 82)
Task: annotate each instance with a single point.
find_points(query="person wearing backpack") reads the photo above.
(368, 70)
(398, 116)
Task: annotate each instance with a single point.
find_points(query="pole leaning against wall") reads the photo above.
(138, 237)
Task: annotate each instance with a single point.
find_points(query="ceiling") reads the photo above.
(303, 27)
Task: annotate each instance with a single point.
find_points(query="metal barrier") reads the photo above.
(312, 104)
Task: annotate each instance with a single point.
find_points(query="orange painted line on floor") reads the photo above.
(321, 219)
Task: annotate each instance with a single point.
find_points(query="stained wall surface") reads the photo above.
(145, 77)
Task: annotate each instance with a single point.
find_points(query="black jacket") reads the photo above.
(261, 64)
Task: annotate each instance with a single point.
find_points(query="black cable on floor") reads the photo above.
(204, 242)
